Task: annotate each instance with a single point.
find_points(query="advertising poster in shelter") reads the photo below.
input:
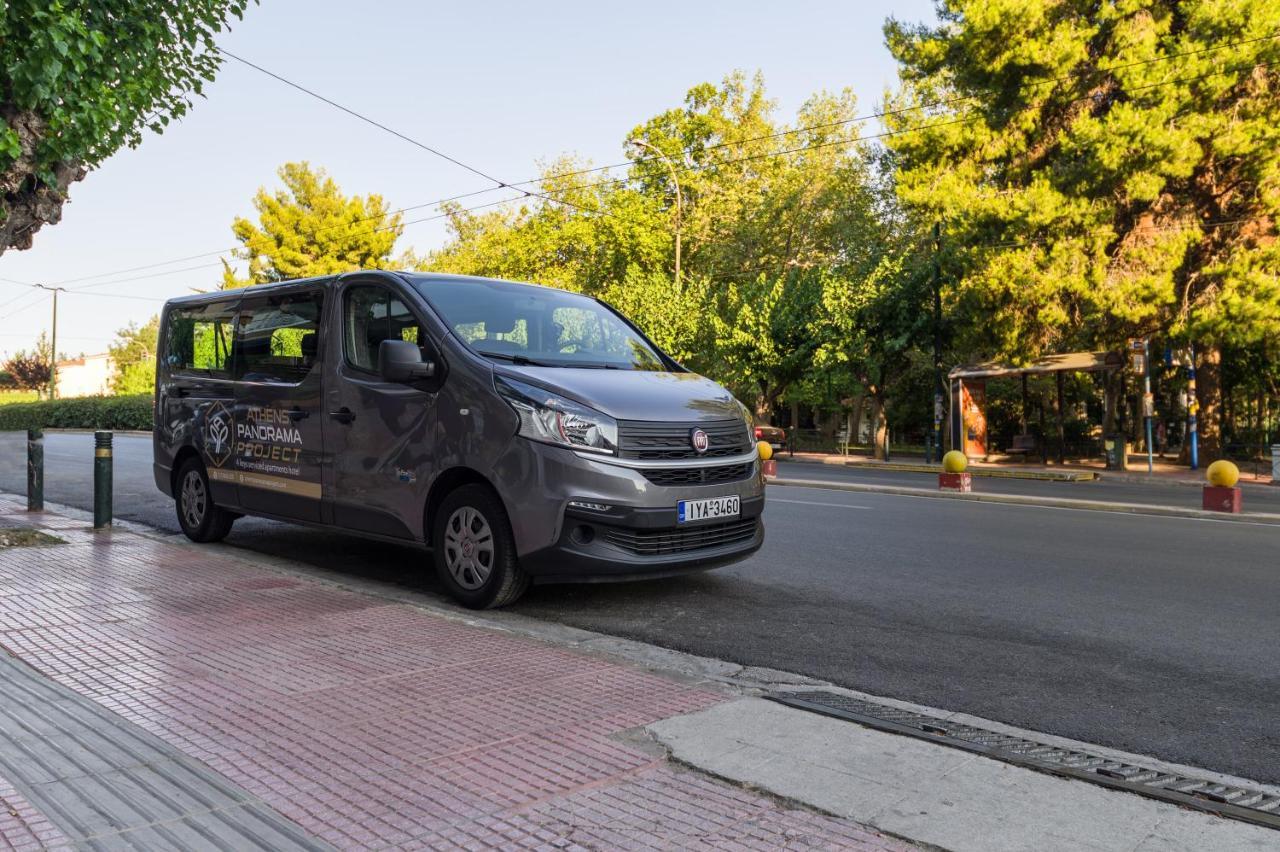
(973, 411)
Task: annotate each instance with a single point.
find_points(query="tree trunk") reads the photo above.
(764, 403)
(1209, 392)
(1111, 403)
(879, 429)
(853, 421)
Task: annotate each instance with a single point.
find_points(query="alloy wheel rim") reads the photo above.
(468, 548)
(194, 499)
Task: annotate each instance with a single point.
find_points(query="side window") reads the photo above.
(199, 338)
(371, 315)
(279, 337)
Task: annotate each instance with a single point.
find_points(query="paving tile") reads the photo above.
(370, 724)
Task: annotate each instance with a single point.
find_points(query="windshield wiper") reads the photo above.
(518, 360)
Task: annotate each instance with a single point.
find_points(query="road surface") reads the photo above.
(1155, 635)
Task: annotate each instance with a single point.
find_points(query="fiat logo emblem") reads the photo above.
(699, 440)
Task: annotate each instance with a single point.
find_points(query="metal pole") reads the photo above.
(53, 354)
(53, 345)
(1148, 404)
(101, 479)
(1193, 405)
(35, 470)
(679, 197)
(939, 386)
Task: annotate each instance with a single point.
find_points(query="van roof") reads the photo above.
(217, 295)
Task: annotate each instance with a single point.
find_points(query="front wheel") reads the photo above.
(474, 549)
(198, 517)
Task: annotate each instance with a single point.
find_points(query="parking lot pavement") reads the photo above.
(334, 716)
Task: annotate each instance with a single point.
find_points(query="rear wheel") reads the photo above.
(475, 552)
(199, 518)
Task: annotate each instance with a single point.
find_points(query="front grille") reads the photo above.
(697, 475)
(682, 540)
(643, 439)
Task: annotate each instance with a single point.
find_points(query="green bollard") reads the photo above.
(101, 479)
(35, 470)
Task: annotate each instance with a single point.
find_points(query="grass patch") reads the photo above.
(21, 537)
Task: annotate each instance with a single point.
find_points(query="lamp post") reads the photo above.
(640, 143)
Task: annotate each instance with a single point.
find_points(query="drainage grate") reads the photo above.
(1240, 803)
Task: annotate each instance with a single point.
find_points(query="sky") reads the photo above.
(500, 86)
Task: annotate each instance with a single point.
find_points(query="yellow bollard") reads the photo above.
(1222, 474)
(768, 466)
(953, 476)
(1221, 494)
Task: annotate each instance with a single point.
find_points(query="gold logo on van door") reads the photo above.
(217, 434)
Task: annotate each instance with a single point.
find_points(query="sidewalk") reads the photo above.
(1163, 472)
(182, 696)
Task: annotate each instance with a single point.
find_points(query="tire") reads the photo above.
(199, 518)
(474, 550)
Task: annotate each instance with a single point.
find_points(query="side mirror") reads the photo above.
(401, 361)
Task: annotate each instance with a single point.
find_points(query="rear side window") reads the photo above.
(279, 337)
(374, 314)
(198, 339)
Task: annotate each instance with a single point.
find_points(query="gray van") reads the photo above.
(520, 432)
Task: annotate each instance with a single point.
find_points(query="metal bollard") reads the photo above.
(101, 479)
(35, 470)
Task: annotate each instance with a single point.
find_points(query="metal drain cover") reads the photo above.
(1242, 803)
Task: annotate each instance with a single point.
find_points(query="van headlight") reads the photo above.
(552, 419)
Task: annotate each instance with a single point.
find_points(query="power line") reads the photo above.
(363, 118)
(692, 149)
(501, 184)
(325, 229)
(37, 302)
(82, 291)
(897, 132)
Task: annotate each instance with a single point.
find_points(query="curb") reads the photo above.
(1047, 502)
(1048, 475)
(921, 467)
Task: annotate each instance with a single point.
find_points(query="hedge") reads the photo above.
(84, 412)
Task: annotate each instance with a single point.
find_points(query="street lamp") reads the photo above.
(640, 143)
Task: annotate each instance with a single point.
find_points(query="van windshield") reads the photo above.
(538, 325)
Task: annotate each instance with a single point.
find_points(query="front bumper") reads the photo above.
(628, 543)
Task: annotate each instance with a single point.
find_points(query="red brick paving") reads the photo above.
(370, 723)
(22, 827)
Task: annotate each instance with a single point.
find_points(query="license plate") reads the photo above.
(710, 509)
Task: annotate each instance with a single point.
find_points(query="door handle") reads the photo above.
(296, 414)
(343, 415)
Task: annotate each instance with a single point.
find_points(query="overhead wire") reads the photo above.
(691, 149)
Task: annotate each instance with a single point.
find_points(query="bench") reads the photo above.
(1023, 445)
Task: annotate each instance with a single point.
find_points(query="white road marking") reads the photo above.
(1135, 512)
(814, 503)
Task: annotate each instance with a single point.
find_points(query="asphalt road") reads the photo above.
(1257, 498)
(1157, 635)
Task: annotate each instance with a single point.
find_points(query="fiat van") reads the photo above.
(520, 433)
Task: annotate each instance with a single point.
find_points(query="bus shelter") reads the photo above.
(968, 424)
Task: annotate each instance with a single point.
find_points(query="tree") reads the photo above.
(765, 337)
(1106, 171)
(311, 228)
(32, 370)
(765, 207)
(81, 80)
(133, 358)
